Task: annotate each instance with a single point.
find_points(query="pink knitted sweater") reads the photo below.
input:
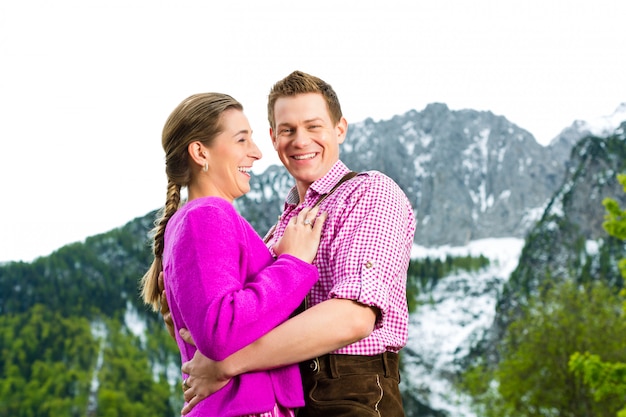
(223, 285)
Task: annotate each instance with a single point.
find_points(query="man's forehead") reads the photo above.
(301, 108)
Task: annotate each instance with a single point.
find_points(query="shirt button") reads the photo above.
(369, 264)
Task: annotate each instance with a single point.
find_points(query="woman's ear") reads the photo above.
(198, 153)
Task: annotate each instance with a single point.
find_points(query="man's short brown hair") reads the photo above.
(299, 82)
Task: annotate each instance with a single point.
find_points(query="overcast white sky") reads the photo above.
(85, 86)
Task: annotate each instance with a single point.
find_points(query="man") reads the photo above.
(357, 310)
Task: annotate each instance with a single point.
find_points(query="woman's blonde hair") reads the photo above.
(197, 118)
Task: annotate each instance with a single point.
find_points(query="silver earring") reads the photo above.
(205, 168)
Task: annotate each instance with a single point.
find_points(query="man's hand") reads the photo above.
(205, 376)
(165, 308)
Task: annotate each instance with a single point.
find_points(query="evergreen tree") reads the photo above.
(533, 377)
(129, 386)
(605, 378)
(46, 365)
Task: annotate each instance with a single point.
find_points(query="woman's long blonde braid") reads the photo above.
(149, 283)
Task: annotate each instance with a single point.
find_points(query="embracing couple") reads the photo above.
(308, 322)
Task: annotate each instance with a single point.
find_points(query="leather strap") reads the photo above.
(343, 179)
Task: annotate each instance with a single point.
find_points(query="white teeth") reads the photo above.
(245, 169)
(307, 156)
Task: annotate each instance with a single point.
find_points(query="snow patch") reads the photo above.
(592, 247)
(135, 323)
(452, 317)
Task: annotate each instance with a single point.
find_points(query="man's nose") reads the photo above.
(301, 139)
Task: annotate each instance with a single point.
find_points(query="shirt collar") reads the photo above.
(321, 185)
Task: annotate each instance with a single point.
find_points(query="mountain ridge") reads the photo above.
(468, 174)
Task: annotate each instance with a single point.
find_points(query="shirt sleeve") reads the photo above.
(222, 307)
(373, 243)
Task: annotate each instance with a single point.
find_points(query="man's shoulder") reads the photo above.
(377, 179)
(377, 186)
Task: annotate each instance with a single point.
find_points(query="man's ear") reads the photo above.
(198, 153)
(274, 140)
(342, 130)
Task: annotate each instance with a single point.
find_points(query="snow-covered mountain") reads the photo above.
(600, 126)
(568, 242)
(451, 319)
(469, 175)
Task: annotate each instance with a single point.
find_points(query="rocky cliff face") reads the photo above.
(569, 241)
(468, 174)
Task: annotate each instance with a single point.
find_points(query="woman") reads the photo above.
(221, 281)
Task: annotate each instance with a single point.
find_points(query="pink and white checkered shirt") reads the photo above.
(364, 251)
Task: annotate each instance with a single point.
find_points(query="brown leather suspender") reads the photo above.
(343, 179)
